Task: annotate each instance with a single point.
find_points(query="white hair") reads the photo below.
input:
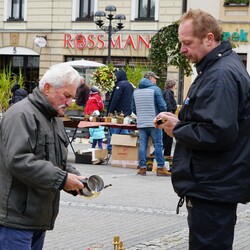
(59, 75)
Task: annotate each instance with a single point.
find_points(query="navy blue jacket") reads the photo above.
(18, 95)
(121, 96)
(212, 155)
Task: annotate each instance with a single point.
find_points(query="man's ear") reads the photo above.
(47, 88)
(209, 39)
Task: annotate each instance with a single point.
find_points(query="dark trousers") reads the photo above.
(211, 224)
(167, 143)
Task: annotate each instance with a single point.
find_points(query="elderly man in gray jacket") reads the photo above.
(33, 156)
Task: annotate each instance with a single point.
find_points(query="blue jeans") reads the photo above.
(156, 135)
(115, 131)
(21, 239)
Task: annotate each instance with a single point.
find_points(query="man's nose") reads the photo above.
(183, 49)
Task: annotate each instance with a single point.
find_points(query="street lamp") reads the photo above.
(99, 20)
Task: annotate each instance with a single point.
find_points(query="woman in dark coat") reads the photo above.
(171, 107)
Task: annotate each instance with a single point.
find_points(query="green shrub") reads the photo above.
(7, 81)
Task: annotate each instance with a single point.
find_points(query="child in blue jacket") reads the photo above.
(97, 134)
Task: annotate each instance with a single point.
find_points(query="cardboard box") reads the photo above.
(84, 157)
(91, 156)
(125, 150)
(101, 153)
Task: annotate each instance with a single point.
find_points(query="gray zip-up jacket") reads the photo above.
(33, 154)
(147, 102)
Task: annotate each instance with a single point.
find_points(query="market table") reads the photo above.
(71, 122)
(86, 124)
(77, 122)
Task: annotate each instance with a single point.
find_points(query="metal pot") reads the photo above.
(92, 186)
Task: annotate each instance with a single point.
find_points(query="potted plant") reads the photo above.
(236, 2)
(104, 78)
(7, 81)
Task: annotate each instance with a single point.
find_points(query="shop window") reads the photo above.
(85, 10)
(27, 65)
(16, 10)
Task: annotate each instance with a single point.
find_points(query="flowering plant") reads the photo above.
(104, 78)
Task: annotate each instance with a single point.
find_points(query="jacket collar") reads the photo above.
(222, 50)
(42, 104)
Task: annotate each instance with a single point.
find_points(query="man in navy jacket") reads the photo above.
(120, 101)
(211, 166)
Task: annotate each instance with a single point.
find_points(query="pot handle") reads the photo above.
(84, 182)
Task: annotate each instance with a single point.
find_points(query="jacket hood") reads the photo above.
(120, 75)
(145, 83)
(21, 92)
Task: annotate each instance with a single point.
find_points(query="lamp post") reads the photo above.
(109, 29)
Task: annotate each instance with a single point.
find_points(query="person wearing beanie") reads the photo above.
(94, 102)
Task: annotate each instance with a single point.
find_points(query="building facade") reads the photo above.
(37, 34)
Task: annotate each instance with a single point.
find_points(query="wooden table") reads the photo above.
(77, 122)
(85, 124)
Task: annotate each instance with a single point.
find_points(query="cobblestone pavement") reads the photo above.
(140, 209)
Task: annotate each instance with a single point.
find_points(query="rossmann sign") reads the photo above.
(99, 41)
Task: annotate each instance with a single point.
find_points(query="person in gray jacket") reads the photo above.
(147, 102)
(33, 156)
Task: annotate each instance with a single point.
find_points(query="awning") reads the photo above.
(17, 51)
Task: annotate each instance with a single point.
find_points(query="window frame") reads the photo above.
(21, 10)
(147, 17)
(135, 12)
(79, 10)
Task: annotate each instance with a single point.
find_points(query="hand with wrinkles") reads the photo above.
(73, 182)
